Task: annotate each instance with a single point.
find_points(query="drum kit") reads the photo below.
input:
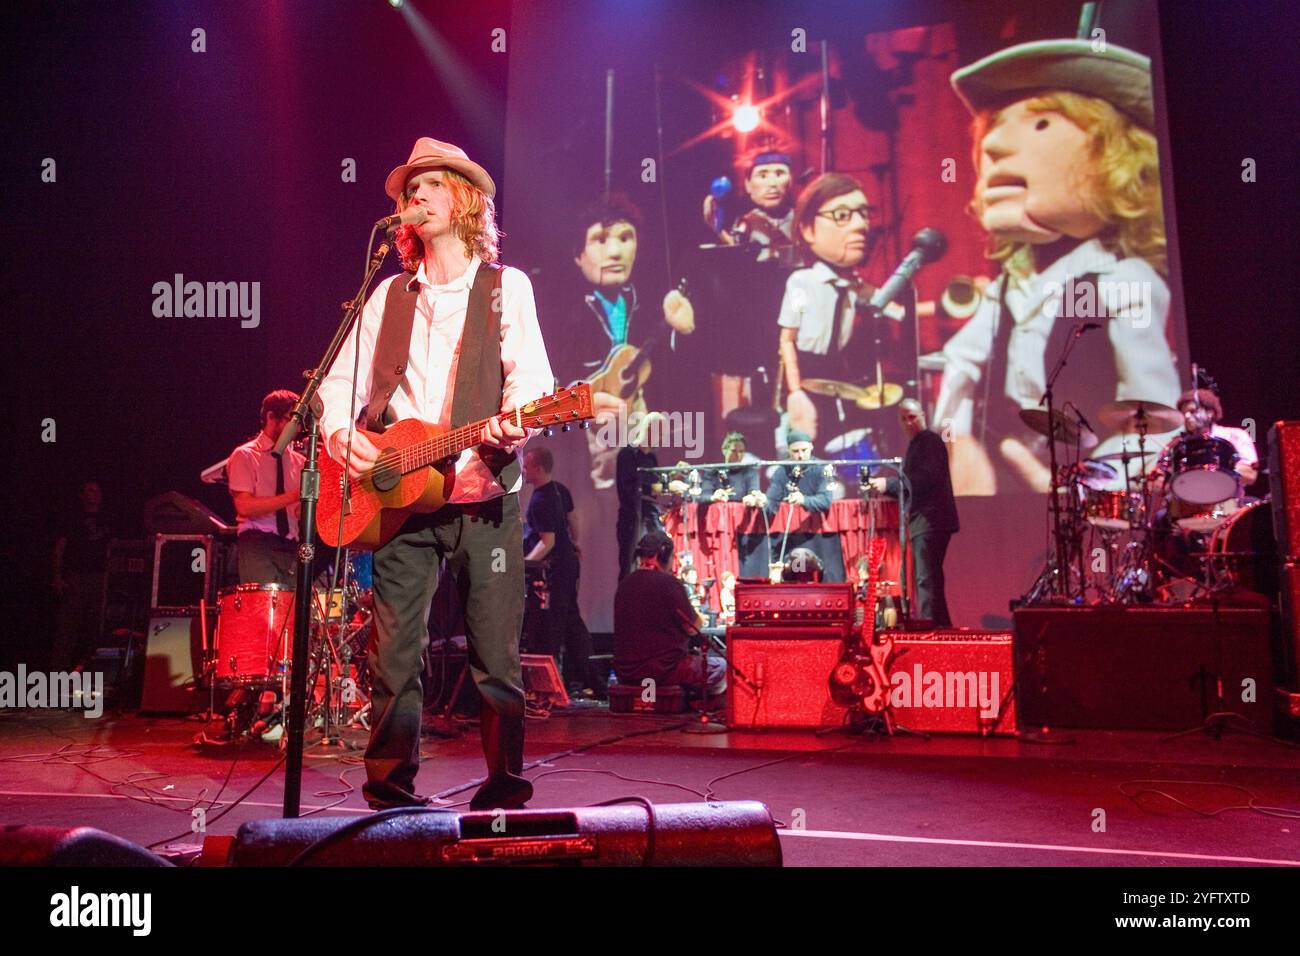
(249, 663)
(1178, 530)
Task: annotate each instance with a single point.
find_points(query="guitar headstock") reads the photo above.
(565, 407)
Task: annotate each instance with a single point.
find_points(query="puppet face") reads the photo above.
(607, 258)
(1035, 177)
(768, 186)
(843, 244)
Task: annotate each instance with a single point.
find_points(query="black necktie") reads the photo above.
(841, 303)
(281, 516)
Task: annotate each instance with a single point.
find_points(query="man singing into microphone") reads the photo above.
(452, 340)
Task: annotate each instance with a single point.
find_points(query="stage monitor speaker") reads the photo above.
(779, 677)
(1284, 484)
(173, 656)
(1115, 668)
(954, 681)
(730, 833)
(22, 845)
(1290, 645)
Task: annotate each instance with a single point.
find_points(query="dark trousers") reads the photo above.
(928, 551)
(266, 558)
(79, 619)
(483, 548)
(566, 632)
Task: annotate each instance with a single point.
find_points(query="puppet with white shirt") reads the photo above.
(1068, 189)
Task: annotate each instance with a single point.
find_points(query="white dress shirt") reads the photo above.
(251, 468)
(425, 391)
(809, 306)
(1144, 362)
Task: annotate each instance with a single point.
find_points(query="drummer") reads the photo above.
(1202, 411)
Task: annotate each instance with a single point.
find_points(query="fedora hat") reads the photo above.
(1119, 76)
(429, 153)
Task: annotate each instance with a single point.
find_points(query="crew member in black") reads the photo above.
(637, 512)
(552, 536)
(653, 622)
(932, 510)
(80, 560)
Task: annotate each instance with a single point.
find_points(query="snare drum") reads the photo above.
(1202, 470)
(1201, 518)
(1114, 510)
(254, 633)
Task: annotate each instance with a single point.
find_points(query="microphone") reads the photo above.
(928, 245)
(720, 189)
(412, 216)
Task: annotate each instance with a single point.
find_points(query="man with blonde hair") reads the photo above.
(452, 340)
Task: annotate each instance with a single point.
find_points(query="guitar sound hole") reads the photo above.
(386, 476)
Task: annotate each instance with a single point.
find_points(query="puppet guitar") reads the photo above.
(627, 367)
(414, 471)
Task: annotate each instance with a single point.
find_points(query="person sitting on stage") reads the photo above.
(731, 484)
(1202, 418)
(931, 512)
(800, 485)
(552, 536)
(265, 490)
(653, 623)
(769, 183)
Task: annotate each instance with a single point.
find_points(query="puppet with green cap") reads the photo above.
(1068, 189)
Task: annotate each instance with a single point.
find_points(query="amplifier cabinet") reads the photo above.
(791, 605)
(954, 681)
(780, 677)
(1141, 668)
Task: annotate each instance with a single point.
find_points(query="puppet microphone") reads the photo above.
(412, 216)
(720, 189)
(928, 246)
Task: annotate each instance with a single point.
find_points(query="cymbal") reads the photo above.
(1066, 430)
(1136, 414)
(880, 396)
(835, 389)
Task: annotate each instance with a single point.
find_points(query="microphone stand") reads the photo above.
(304, 416)
(1062, 583)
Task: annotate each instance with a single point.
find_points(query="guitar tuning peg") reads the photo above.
(584, 424)
(547, 432)
(566, 427)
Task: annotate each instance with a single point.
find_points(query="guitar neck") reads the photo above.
(447, 445)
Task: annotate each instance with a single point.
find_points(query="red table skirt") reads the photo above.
(710, 532)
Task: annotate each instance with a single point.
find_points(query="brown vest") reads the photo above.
(476, 393)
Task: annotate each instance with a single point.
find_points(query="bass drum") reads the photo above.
(1243, 550)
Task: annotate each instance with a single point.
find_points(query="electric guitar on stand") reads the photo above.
(861, 679)
(414, 471)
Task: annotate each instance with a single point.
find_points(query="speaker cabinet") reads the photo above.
(779, 677)
(173, 656)
(1284, 485)
(954, 681)
(1141, 668)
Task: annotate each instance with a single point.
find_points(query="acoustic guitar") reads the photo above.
(414, 471)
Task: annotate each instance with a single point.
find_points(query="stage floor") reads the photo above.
(845, 801)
